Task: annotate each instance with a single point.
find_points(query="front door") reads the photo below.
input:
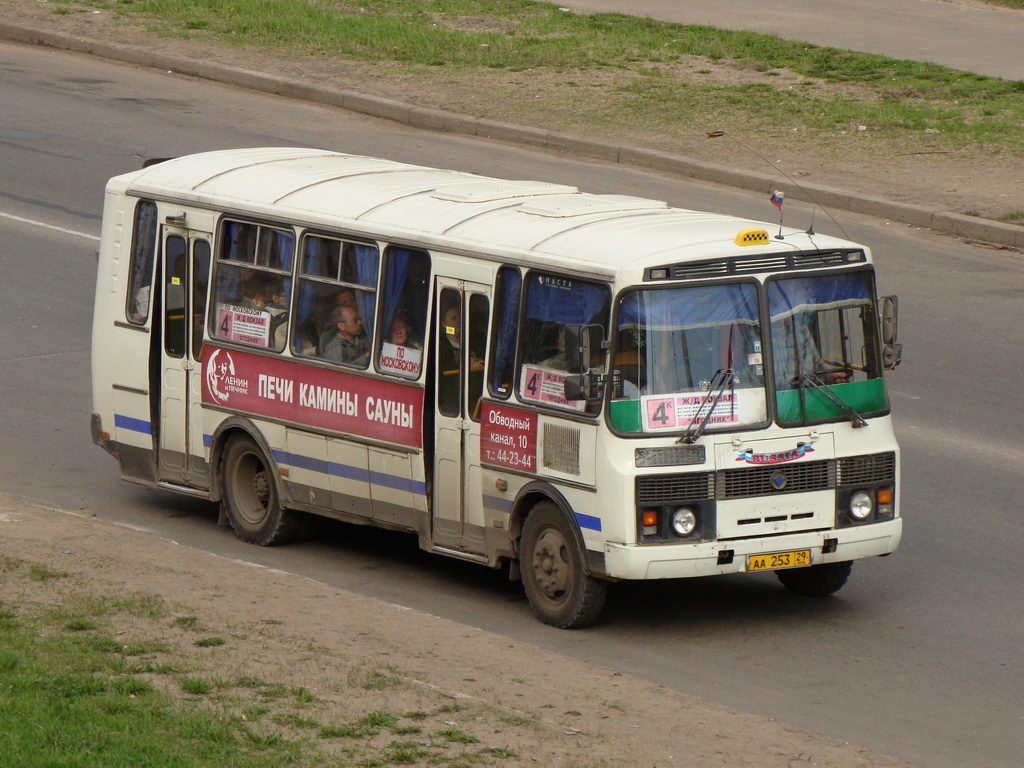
(461, 315)
(183, 284)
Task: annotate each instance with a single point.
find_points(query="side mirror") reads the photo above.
(582, 386)
(581, 341)
(576, 349)
(892, 355)
(574, 388)
(892, 352)
(889, 310)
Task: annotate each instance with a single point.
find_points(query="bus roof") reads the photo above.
(537, 223)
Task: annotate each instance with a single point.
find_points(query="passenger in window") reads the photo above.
(401, 333)
(452, 344)
(255, 294)
(346, 297)
(557, 361)
(140, 304)
(350, 344)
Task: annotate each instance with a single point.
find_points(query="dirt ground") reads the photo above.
(923, 171)
(516, 704)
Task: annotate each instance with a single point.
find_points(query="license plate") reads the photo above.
(776, 560)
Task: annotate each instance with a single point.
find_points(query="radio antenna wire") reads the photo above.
(797, 184)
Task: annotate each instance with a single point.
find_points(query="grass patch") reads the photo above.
(376, 679)
(145, 647)
(457, 736)
(196, 685)
(42, 573)
(58, 709)
(378, 719)
(893, 97)
(209, 642)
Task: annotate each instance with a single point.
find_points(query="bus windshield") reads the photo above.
(671, 344)
(824, 339)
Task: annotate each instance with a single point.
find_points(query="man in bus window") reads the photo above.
(401, 333)
(557, 361)
(350, 344)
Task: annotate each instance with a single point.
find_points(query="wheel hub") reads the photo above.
(551, 565)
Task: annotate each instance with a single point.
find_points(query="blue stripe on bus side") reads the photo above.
(350, 473)
(588, 521)
(135, 425)
(497, 503)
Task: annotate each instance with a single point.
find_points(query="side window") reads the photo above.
(254, 284)
(449, 352)
(552, 303)
(507, 290)
(476, 335)
(142, 257)
(175, 280)
(337, 300)
(404, 294)
(200, 283)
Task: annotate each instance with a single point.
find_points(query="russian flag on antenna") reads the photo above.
(777, 198)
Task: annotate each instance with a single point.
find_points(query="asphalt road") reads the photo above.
(975, 37)
(919, 656)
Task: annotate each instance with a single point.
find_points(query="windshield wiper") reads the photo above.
(855, 418)
(723, 378)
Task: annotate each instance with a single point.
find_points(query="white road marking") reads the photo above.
(43, 224)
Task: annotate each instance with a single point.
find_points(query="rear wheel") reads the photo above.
(816, 580)
(559, 590)
(250, 496)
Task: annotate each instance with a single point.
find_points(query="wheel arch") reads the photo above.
(539, 491)
(228, 429)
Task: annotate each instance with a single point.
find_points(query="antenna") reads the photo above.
(719, 134)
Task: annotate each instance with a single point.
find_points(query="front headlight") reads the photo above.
(861, 505)
(684, 521)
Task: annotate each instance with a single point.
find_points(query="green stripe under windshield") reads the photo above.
(863, 397)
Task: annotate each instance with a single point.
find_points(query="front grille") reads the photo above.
(867, 470)
(757, 481)
(652, 490)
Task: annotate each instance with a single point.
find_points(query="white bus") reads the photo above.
(581, 388)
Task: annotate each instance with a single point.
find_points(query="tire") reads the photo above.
(250, 496)
(816, 580)
(559, 590)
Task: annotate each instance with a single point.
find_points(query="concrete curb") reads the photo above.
(969, 227)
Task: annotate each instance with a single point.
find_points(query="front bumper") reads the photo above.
(678, 561)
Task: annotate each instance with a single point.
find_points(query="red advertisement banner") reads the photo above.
(508, 437)
(317, 397)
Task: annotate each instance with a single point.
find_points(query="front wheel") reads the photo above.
(559, 590)
(250, 496)
(816, 580)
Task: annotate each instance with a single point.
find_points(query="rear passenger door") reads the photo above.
(183, 281)
(461, 316)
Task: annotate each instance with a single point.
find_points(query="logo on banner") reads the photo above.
(781, 457)
(220, 376)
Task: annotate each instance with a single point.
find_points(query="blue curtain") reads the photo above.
(285, 242)
(699, 306)
(566, 301)
(393, 285)
(366, 258)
